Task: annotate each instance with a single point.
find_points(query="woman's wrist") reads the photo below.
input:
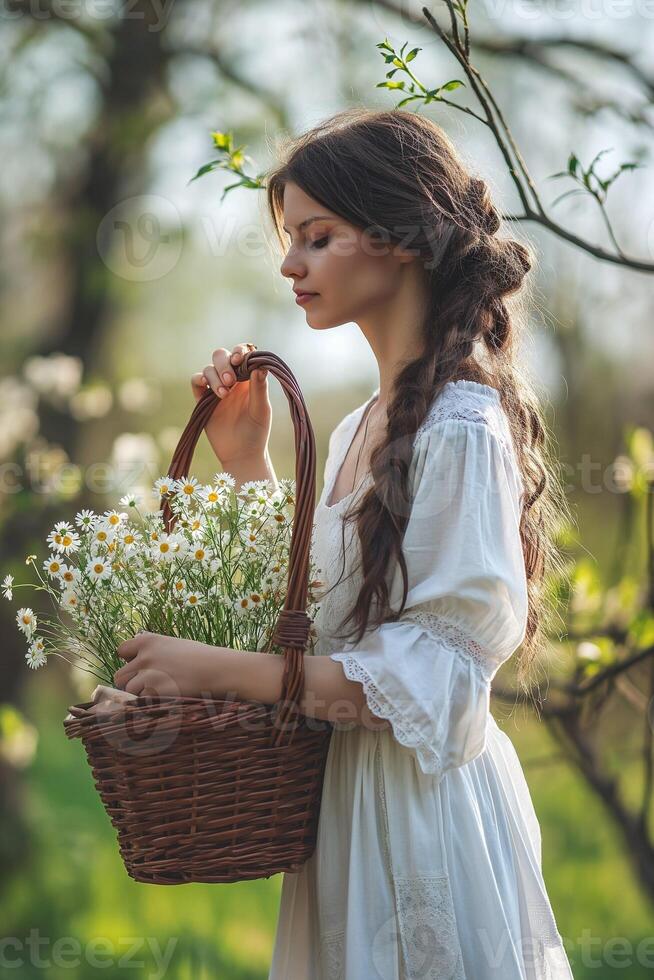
(245, 468)
(247, 675)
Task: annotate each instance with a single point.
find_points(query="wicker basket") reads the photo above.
(215, 790)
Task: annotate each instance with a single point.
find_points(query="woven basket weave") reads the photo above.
(220, 790)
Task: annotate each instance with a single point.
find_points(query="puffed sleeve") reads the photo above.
(429, 673)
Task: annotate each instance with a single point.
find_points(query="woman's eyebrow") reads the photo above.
(308, 221)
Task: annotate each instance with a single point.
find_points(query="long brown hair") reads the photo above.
(392, 171)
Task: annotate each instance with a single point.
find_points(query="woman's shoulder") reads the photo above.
(462, 401)
(467, 403)
(468, 417)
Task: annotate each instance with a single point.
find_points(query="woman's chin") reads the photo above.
(322, 322)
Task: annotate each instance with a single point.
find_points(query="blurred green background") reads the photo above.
(118, 279)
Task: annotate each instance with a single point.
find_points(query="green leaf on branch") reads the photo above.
(233, 160)
(450, 86)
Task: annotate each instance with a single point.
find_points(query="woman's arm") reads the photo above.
(251, 468)
(256, 676)
(169, 665)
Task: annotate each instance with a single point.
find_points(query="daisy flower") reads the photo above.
(211, 496)
(130, 539)
(256, 489)
(164, 485)
(98, 568)
(85, 519)
(167, 546)
(7, 583)
(192, 599)
(53, 539)
(186, 485)
(69, 599)
(179, 586)
(102, 535)
(224, 481)
(197, 526)
(64, 539)
(26, 620)
(36, 656)
(242, 604)
(200, 553)
(286, 488)
(69, 575)
(130, 500)
(53, 566)
(251, 542)
(113, 518)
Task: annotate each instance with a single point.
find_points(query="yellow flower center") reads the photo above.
(192, 599)
(114, 519)
(129, 539)
(27, 619)
(66, 540)
(102, 535)
(199, 554)
(164, 546)
(97, 568)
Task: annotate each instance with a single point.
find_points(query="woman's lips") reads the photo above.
(303, 298)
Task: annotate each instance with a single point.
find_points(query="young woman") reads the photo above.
(433, 533)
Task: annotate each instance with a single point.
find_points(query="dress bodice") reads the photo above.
(335, 545)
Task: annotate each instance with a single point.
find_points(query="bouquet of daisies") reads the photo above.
(218, 575)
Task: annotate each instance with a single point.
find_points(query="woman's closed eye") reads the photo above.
(320, 242)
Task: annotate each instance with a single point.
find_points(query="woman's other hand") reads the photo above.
(240, 425)
(167, 666)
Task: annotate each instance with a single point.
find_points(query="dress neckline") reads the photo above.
(352, 430)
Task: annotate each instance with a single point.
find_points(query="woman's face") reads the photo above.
(352, 272)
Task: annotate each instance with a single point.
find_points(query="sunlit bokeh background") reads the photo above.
(118, 279)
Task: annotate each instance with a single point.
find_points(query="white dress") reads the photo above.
(428, 856)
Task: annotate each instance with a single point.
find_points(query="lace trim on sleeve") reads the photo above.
(405, 734)
(463, 645)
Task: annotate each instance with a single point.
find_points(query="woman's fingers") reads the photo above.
(223, 368)
(198, 384)
(220, 375)
(237, 356)
(214, 381)
(128, 649)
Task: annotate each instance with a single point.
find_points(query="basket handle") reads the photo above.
(293, 623)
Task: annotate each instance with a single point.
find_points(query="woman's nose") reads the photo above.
(292, 266)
